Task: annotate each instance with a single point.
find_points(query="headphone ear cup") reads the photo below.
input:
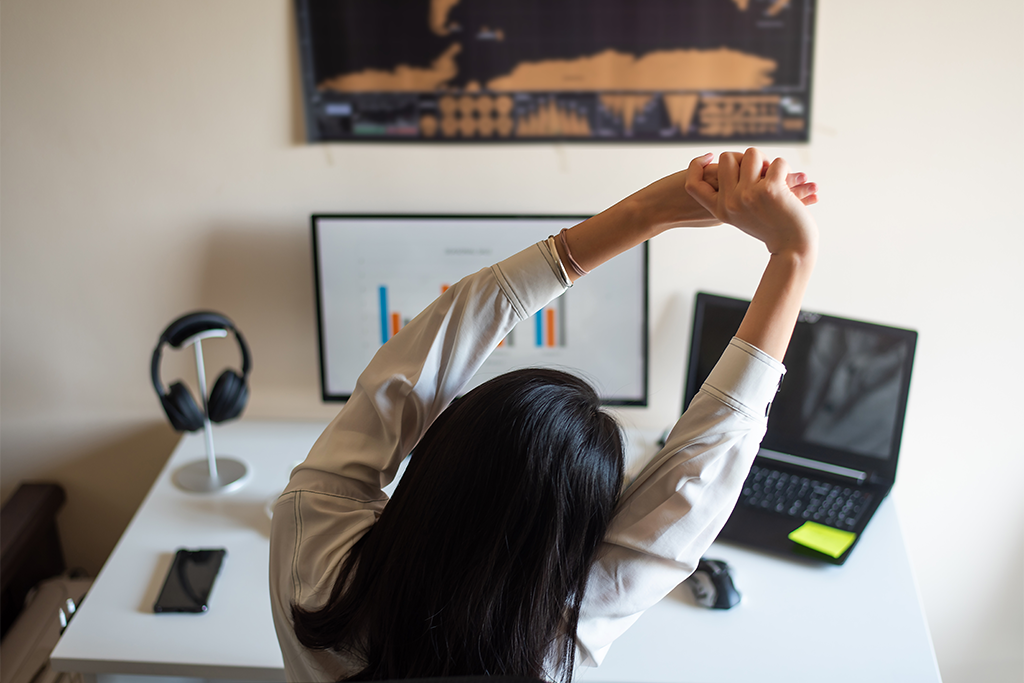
(181, 409)
(228, 397)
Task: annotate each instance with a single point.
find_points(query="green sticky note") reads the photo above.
(824, 539)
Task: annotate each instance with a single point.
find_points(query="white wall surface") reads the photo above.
(153, 163)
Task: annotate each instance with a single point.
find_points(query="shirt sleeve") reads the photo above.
(672, 512)
(417, 373)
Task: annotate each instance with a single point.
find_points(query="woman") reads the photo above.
(507, 548)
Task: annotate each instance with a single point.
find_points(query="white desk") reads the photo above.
(797, 622)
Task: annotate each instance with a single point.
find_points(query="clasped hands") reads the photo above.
(764, 199)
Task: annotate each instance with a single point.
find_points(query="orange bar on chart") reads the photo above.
(551, 326)
(396, 324)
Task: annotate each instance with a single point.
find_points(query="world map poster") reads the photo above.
(556, 70)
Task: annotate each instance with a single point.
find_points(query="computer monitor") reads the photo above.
(374, 273)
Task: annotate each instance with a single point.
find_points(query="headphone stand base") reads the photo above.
(195, 476)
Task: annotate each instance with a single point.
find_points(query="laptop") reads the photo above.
(829, 456)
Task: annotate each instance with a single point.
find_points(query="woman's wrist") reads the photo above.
(799, 263)
(799, 248)
(798, 255)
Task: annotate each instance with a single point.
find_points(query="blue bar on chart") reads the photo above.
(390, 321)
(383, 314)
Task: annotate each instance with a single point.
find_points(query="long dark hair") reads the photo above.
(479, 562)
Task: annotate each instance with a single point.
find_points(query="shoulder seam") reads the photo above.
(338, 495)
(296, 583)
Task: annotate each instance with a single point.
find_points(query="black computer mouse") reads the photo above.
(712, 585)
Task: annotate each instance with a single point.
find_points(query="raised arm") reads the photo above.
(671, 513)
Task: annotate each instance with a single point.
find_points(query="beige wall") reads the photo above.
(152, 164)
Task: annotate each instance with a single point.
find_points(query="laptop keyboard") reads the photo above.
(801, 497)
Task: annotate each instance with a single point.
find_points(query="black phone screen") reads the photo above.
(189, 581)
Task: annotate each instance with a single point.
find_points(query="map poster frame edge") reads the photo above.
(661, 95)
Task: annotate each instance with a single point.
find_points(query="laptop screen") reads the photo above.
(374, 273)
(844, 396)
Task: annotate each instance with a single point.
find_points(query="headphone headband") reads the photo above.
(191, 324)
(194, 323)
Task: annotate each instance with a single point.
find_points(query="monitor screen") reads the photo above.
(375, 273)
(844, 395)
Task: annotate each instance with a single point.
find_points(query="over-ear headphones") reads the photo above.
(230, 391)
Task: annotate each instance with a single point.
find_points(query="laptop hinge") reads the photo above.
(836, 470)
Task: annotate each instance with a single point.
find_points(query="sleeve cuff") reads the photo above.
(555, 261)
(747, 377)
(529, 279)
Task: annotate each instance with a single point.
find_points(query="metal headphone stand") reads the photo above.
(214, 474)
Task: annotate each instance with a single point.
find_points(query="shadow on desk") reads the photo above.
(161, 566)
(683, 593)
(243, 513)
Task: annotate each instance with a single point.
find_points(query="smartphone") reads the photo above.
(190, 580)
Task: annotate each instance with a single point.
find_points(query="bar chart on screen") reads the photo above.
(548, 324)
